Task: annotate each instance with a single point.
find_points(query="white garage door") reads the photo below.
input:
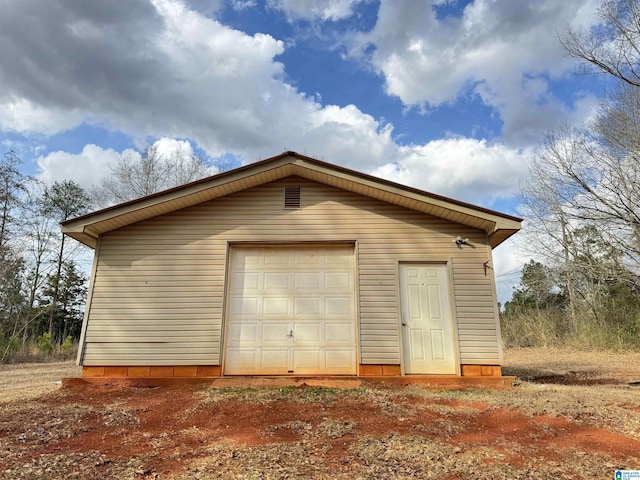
(291, 310)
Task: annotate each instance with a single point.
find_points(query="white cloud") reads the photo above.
(344, 135)
(93, 163)
(167, 147)
(23, 115)
(503, 50)
(240, 5)
(462, 168)
(84, 168)
(325, 10)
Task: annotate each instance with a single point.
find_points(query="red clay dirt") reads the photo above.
(170, 427)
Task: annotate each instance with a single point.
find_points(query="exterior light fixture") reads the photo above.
(461, 241)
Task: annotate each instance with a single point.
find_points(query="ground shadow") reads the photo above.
(569, 378)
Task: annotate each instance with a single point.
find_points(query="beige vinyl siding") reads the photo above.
(159, 285)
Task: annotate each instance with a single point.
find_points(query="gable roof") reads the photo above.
(87, 228)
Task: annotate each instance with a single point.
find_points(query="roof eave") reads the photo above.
(83, 235)
(87, 228)
(501, 234)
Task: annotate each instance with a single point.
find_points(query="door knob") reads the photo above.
(290, 334)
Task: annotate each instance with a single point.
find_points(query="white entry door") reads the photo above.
(291, 310)
(427, 323)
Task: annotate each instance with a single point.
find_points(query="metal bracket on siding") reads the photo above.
(486, 267)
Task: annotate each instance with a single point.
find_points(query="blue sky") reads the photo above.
(448, 96)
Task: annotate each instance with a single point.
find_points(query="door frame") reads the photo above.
(353, 244)
(448, 264)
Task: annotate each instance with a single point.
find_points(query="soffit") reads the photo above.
(87, 228)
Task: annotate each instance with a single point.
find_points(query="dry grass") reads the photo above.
(23, 381)
(529, 362)
(613, 408)
(290, 393)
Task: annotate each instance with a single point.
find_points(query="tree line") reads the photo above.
(43, 274)
(582, 206)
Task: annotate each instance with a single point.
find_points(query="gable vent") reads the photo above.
(292, 196)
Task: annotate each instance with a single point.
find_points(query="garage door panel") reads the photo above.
(249, 258)
(339, 333)
(251, 282)
(307, 333)
(276, 258)
(274, 359)
(256, 361)
(338, 360)
(276, 306)
(306, 306)
(307, 360)
(244, 333)
(294, 308)
(244, 306)
(274, 333)
(338, 259)
(239, 361)
(338, 281)
(340, 306)
(276, 281)
(308, 281)
(245, 282)
(307, 259)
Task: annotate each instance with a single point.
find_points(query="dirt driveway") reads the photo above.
(541, 429)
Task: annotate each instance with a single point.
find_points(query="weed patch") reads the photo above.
(301, 394)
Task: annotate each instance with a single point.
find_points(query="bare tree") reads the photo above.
(39, 232)
(577, 179)
(580, 196)
(136, 175)
(613, 46)
(616, 134)
(184, 168)
(617, 123)
(11, 189)
(547, 204)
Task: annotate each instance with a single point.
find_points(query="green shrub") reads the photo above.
(45, 343)
(9, 347)
(13, 344)
(67, 345)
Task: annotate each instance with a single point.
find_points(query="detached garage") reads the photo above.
(291, 266)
